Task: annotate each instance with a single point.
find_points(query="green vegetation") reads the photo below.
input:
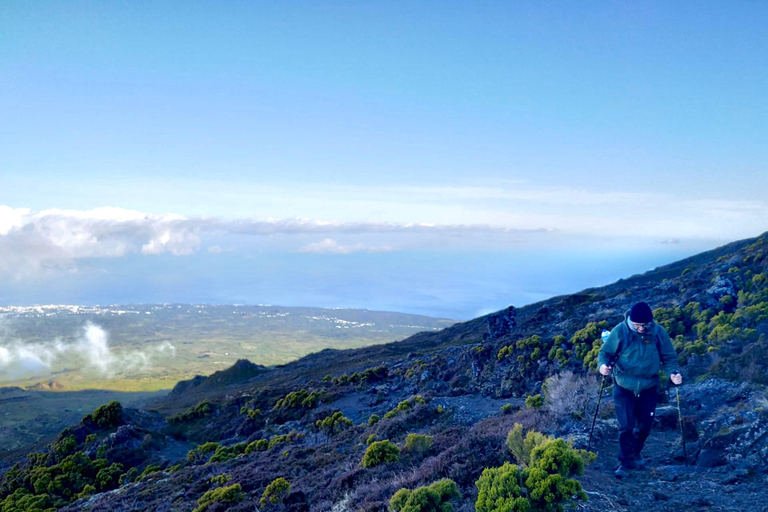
(373, 420)
(202, 452)
(301, 399)
(275, 492)
(201, 410)
(231, 494)
(224, 453)
(526, 344)
(405, 406)
(106, 416)
(290, 437)
(257, 446)
(334, 423)
(252, 414)
(418, 443)
(220, 479)
(521, 448)
(434, 498)
(148, 471)
(380, 452)
(534, 402)
(546, 485)
(54, 480)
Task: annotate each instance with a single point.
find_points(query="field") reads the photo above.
(151, 347)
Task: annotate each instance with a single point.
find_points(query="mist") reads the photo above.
(90, 352)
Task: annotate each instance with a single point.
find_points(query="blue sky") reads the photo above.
(447, 158)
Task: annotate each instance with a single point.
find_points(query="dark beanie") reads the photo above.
(641, 313)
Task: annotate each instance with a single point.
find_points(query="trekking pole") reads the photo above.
(604, 337)
(594, 418)
(680, 420)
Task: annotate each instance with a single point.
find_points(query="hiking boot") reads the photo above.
(640, 462)
(621, 472)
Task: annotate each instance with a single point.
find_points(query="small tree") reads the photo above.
(275, 492)
(380, 452)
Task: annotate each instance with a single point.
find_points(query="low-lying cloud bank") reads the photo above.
(35, 242)
(20, 360)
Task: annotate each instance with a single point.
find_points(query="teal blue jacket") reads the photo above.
(641, 357)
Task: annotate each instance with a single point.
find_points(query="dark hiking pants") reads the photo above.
(635, 416)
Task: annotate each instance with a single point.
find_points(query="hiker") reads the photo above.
(633, 354)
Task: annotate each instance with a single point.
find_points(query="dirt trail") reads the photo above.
(667, 484)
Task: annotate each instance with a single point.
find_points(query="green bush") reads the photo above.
(290, 437)
(148, 471)
(231, 494)
(129, 476)
(66, 446)
(224, 453)
(108, 416)
(201, 410)
(506, 409)
(418, 443)
(371, 438)
(405, 406)
(203, 451)
(380, 452)
(334, 424)
(275, 492)
(260, 445)
(301, 399)
(521, 448)
(109, 477)
(374, 419)
(434, 498)
(220, 479)
(534, 402)
(546, 486)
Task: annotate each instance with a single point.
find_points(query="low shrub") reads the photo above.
(546, 485)
(405, 406)
(521, 447)
(334, 424)
(570, 396)
(418, 443)
(380, 452)
(231, 494)
(275, 492)
(534, 402)
(260, 445)
(434, 498)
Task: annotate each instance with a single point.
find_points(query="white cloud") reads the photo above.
(330, 246)
(370, 219)
(34, 243)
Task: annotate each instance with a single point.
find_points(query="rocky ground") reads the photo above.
(726, 468)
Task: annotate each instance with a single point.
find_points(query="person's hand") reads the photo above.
(676, 379)
(606, 370)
